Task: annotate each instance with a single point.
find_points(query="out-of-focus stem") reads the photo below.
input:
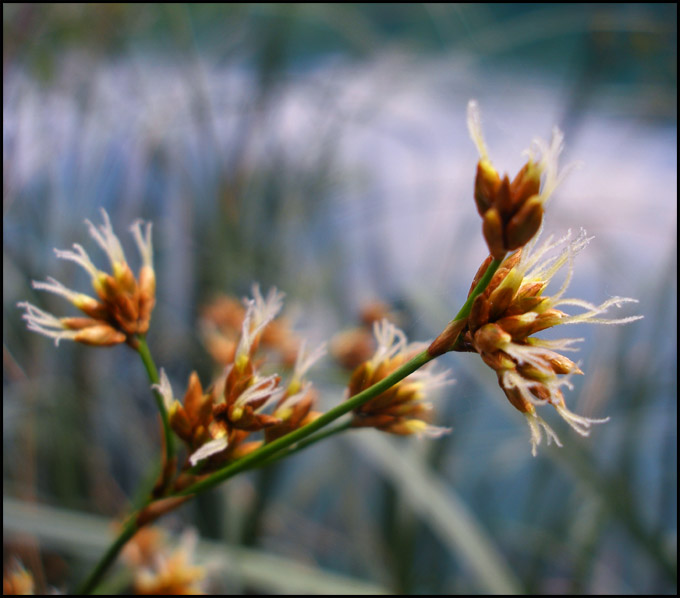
(110, 555)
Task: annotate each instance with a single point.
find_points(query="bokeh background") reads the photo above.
(323, 149)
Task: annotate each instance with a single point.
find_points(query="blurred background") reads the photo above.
(323, 149)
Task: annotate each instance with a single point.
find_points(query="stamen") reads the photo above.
(259, 312)
(385, 333)
(304, 361)
(54, 286)
(45, 323)
(580, 423)
(594, 310)
(260, 388)
(165, 390)
(536, 423)
(292, 400)
(107, 240)
(143, 241)
(474, 123)
(80, 257)
(562, 344)
(210, 448)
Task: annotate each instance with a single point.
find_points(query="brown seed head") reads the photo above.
(123, 304)
(511, 212)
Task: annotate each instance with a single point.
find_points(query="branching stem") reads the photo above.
(152, 372)
(272, 451)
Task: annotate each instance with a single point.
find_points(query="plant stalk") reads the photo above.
(152, 372)
(257, 457)
(298, 439)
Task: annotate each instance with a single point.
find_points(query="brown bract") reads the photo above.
(504, 316)
(507, 314)
(401, 409)
(511, 212)
(391, 410)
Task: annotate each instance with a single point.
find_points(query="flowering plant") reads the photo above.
(250, 415)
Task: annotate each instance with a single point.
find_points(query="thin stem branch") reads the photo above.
(450, 336)
(129, 530)
(303, 444)
(268, 450)
(484, 281)
(152, 372)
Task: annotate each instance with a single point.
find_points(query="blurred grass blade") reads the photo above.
(88, 535)
(615, 496)
(444, 512)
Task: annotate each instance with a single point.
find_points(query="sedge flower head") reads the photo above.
(260, 311)
(160, 570)
(17, 580)
(403, 408)
(512, 211)
(238, 403)
(123, 303)
(295, 407)
(221, 326)
(504, 318)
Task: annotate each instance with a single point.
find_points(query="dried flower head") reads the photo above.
(140, 551)
(295, 407)
(17, 580)
(124, 303)
(512, 212)
(512, 309)
(194, 421)
(161, 571)
(221, 323)
(353, 346)
(402, 409)
(216, 424)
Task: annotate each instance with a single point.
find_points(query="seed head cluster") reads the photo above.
(123, 304)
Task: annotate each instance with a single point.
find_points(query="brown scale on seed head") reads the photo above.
(512, 211)
(506, 315)
(402, 408)
(122, 309)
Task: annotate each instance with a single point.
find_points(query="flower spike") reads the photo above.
(506, 315)
(512, 212)
(401, 409)
(259, 313)
(123, 305)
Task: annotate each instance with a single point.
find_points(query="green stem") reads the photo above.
(484, 281)
(152, 372)
(274, 450)
(110, 555)
(303, 444)
(451, 335)
(257, 457)
(268, 451)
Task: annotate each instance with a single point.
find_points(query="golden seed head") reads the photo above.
(124, 304)
(512, 212)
